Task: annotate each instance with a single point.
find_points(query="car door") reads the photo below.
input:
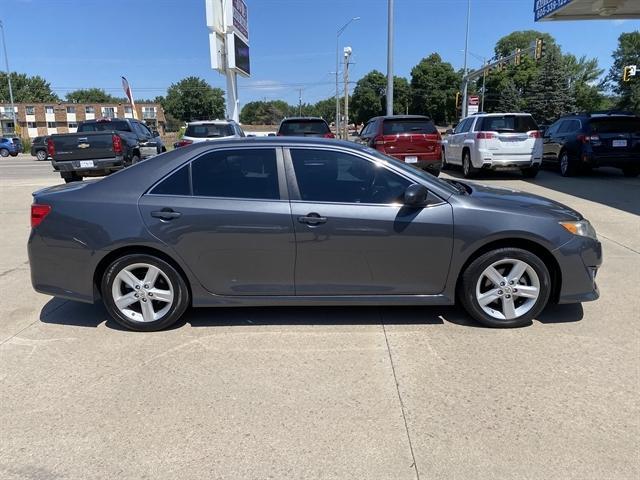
(353, 234)
(550, 145)
(147, 143)
(226, 214)
(454, 148)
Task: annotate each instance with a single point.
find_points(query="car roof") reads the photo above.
(297, 119)
(217, 121)
(401, 117)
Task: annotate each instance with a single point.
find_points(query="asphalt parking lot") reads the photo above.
(325, 393)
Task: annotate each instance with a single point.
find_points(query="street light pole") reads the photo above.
(347, 55)
(340, 30)
(465, 83)
(390, 59)
(6, 62)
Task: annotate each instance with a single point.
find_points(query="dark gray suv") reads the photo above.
(292, 221)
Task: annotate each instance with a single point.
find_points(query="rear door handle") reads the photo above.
(312, 219)
(165, 214)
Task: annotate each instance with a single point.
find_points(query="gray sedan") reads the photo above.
(286, 221)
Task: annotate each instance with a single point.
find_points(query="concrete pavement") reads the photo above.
(336, 393)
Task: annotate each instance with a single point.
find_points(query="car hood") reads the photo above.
(521, 202)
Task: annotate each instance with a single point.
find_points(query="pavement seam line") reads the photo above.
(620, 244)
(32, 323)
(402, 408)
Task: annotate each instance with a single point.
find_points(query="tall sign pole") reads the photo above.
(465, 84)
(6, 62)
(228, 24)
(390, 60)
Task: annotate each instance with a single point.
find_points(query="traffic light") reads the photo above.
(458, 101)
(517, 58)
(540, 48)
(626, 74)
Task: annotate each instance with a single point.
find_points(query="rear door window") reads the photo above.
(209, 130)
(241, 173)
(507, 124)
(615, 125)
(408, 125)
(304, 127)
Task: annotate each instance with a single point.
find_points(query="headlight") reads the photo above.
(582, 228)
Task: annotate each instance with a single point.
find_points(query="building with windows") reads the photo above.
(38, 119)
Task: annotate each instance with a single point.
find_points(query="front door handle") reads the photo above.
(165, 214)
(312, 219)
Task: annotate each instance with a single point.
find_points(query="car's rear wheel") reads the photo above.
(468, 170)
(631, 171)
(568, 167)
(143, 292)
(4, 152)
(71, 177)
(41, 155)
(530, 172)
(507, 287)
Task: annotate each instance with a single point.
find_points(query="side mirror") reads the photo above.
(415, 195)
(449, 131)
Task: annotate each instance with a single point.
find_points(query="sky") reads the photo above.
(154, 43)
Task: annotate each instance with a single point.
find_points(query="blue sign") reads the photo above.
(544, 8)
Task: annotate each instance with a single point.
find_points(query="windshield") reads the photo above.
(507, 124)
(304, 127)
(408, 125)
(104, 126)
(615, 125)
(412, 170)
(209, 130)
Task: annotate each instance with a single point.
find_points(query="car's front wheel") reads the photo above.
(41, 155)
(143, 292)
(506, 287)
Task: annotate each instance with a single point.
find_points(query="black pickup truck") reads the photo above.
(101, 147)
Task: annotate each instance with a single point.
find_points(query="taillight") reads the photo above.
(184, 143)
(378, 141)
(535, 134)
(329, 135)
(485, 135)
(38, 212)
(588, 138)
(117, 144)
(51, 148)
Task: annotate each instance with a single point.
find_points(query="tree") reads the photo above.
(266, 112)
(627, 53)
(326, 109)
(510, 98)
(551, 96)
(521, 39)
(192, 98)
(26, 89)
(91, 95)
(368, 96)
(584, 79)
(401, 96)
(434, 84)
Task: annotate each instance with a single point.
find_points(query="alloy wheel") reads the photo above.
(564, 163)
(142, 292)
(507, 289)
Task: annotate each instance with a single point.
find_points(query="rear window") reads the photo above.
(507, 124)
(304, 127)
(209, 130)
(615, 125)
(104, 126)
(417, 125)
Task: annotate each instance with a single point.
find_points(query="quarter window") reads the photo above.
(178, 183)
(331, 176)
(243, 173)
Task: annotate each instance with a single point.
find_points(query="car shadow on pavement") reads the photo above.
(65, 312)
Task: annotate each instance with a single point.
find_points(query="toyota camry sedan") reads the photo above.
(304, 221)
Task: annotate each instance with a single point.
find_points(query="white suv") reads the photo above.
(495, 141)
(208, 130)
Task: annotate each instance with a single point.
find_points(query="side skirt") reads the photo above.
(344, 300)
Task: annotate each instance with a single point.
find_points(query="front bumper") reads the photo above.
(579, 261)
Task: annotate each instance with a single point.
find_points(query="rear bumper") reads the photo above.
(101, 166)
(493, 161)
(612, 160)
(431, 160)
(579, 261)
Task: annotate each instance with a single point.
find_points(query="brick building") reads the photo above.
(37, 119)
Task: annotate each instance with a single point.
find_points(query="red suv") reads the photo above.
(411, 138)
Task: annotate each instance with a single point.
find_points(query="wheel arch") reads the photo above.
(531, 246)
(131, 250)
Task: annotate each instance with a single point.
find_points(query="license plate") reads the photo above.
(619, 143)
(86, 164)
(411, 159)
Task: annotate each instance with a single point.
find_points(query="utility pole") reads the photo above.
(300, 102)
(484, 82)
(347, 54)
(465, 83)
(6, 62)
(390, 59)
(340, 30)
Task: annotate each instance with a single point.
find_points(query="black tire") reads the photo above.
(135, 159)
(4, 152)
(41, 155)
(631, 171)
(472, 274)
(14, 154)
(445, 165)
(468, 170)
(530, 172)
(568, 167)
(177, 308)
(71, 177)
